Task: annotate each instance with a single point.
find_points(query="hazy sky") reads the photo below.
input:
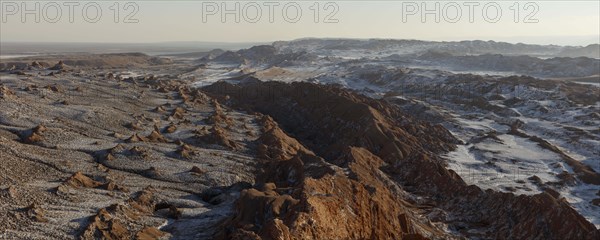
(559, 22)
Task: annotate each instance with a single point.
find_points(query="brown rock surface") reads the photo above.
(87, 137)
(171, 128)
(155, 136)
(197, 170)
(178, 113)
(383, 151)
(115, 221)
(112, 186)
(136, 138)
(5, 92)
(149, 233)
(78, 180)
(218, 135)
(105, 226)
(319, 211)
(36, 213)
(34, 135)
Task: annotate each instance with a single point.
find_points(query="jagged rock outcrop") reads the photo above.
(171, 128)
(155, 136)
(219, 115)
(136, 138)
(78, 180)
(36, 213)
(304, 197)
(178, 113)
(352, 165)
(6, 93)
(33, 135)
(218, 135)
(122, 221)
(149, 233)
(60, 66)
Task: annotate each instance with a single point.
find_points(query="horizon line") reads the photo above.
(305, 38)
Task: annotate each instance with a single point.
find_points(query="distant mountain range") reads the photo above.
(544, 61)
(592, 51)
(390, 46)
(476, 47)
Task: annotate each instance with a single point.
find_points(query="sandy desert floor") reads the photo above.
(77, 143)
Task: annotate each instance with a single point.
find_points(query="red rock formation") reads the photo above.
(105, 226)
(325, 202)
(185, 151)
(34, 135)
(135, 138)
(160, 109)
(149, 233)
(155, 136)
(178, 113)
(134, 125)
(78, 180)
(112, 186)
(40, 129)
(171, 128)
(219, 116)
(218, 135)
(197, 170)
(36, 213)
(118, 221)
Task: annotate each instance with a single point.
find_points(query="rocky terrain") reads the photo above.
(520, 134)
(381, 149)
(526, 65)
(292, 141)
(89, 153)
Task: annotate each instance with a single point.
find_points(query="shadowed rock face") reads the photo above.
(304, 197)
(345, 166)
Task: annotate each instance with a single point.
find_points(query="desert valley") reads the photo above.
(303, 139)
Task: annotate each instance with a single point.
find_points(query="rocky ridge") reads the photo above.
(395, 160)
